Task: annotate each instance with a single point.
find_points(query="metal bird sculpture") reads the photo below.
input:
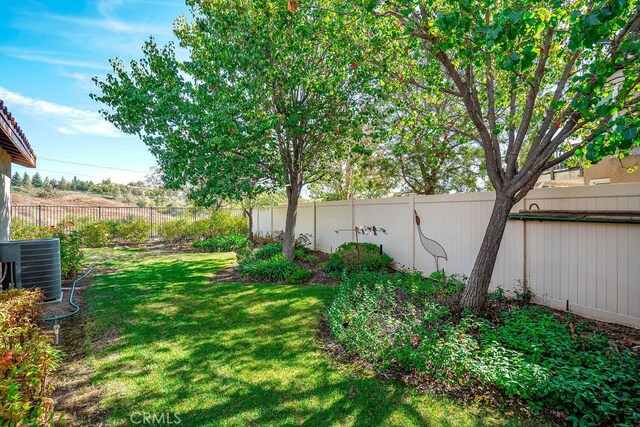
(430, 245)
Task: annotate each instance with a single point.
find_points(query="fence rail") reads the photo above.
(63, 216)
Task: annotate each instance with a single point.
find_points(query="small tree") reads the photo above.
(36, 180)
(26, 181)
(63, 184)
(16, 179)
(541, 81)
(268, 96)
(364, 173)
(431, 145)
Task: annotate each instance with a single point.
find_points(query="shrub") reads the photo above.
(219, 224)
(131, 230)
(26, 359)
(396, 321)
(276, 269)
(268, 251)
(70, 244)
(21, 231)
(346, 259)
(303, 240)
(173, 231)
(96, 235)
(202, 228)
(70, 253)
(222, 222)
(225, 243)
(268, 238)
(301, 275)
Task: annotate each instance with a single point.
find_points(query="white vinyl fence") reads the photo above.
(593, 268)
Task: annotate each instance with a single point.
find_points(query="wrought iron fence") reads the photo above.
(64, 216)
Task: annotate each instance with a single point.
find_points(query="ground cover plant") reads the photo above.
(225, 243)
(27, 359)
(234, 354)
(403, 321)
(269, 265)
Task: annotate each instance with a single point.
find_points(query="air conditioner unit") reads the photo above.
(31, 264)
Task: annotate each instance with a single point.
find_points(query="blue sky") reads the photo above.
(49, 51)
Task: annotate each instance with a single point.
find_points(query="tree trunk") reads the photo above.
(289, 241)
(248, 212)
(475, 292)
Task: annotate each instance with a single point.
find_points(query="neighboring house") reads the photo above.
(609, 170)
(14, 148)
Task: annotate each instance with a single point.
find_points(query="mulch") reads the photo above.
(76, 397)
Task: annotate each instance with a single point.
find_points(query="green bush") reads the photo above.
(219, 224)
(268, 238)
(70, 244)
(301, 275)
(21, 231)
(131, 230)
(222, 222)
(268, 251)
(225, 243)
(346, 259)
(200, 229)
(396, 321)
(27, 358)
(276, 269)
(70, 253)
(96, 235)
(173, 231)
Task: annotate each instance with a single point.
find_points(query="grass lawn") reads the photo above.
(235, 354)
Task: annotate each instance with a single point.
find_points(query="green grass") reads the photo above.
(235, 354)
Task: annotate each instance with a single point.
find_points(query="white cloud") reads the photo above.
(70, 120)
(83, 81)
(59, 61)
(50, 58)
(112, 24)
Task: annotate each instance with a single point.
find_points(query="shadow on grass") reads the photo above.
(236, 354)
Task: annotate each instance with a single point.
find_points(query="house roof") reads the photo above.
(13, 140)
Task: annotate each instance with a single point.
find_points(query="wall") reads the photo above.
(594, 268)
(613, 169)
(5, 195)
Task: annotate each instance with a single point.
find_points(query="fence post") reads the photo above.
(315, 228)
(39, 215)
(99, 213)
(257, 221)
(195, 214)
(353, 219)
(151, 221)
(412, 208)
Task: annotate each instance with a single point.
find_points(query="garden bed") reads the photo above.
(582, 371)
(319, 276)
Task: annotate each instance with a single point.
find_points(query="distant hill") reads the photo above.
(67, 198)
(35, 190)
